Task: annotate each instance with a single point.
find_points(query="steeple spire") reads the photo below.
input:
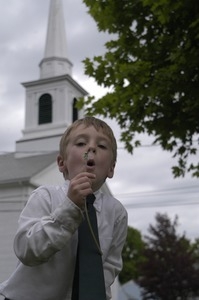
(50, 101)
(55, 61)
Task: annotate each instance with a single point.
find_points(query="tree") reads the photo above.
(131, 255)
(151, 68)
(170, 270)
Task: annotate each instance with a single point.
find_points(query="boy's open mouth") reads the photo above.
(90, 163)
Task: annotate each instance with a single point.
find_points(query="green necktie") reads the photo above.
(89, 277)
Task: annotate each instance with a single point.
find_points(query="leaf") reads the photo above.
(150, 68)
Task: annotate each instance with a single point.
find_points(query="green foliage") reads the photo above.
(170, 270)
(151, 68)
(131, 255)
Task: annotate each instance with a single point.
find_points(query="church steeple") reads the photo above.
(50, 101)
(55, 61)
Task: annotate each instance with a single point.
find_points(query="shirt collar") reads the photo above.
(98, 200)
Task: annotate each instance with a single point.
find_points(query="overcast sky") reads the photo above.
(142, 182)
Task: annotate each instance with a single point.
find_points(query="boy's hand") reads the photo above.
(80, 187)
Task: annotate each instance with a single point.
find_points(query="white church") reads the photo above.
(49, 109)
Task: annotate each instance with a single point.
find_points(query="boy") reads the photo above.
(46, 239)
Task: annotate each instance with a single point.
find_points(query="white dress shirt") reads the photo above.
(46, 244)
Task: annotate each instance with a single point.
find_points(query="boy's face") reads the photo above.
(99, 157)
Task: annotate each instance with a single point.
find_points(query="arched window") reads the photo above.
(75, 110)
(45, 109)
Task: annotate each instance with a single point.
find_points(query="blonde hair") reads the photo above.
(98, 125)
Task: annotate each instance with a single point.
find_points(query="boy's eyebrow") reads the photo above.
(85, 135)
(81, 135)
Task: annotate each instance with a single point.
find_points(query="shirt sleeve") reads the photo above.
(43, 231)
(113, 263)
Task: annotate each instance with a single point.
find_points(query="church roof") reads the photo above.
(15, 169)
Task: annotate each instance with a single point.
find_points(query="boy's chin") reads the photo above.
(97, 185)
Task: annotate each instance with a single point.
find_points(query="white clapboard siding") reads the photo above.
(8, 225)
(12, 201)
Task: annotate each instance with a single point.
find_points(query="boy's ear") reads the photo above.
(60, 163)
(111, 171)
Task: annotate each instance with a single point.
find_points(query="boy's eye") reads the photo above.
(102, 146)
(80, 144)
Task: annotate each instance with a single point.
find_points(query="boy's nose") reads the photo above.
(92, 149)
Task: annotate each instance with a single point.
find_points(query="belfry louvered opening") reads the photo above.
(45, 109)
